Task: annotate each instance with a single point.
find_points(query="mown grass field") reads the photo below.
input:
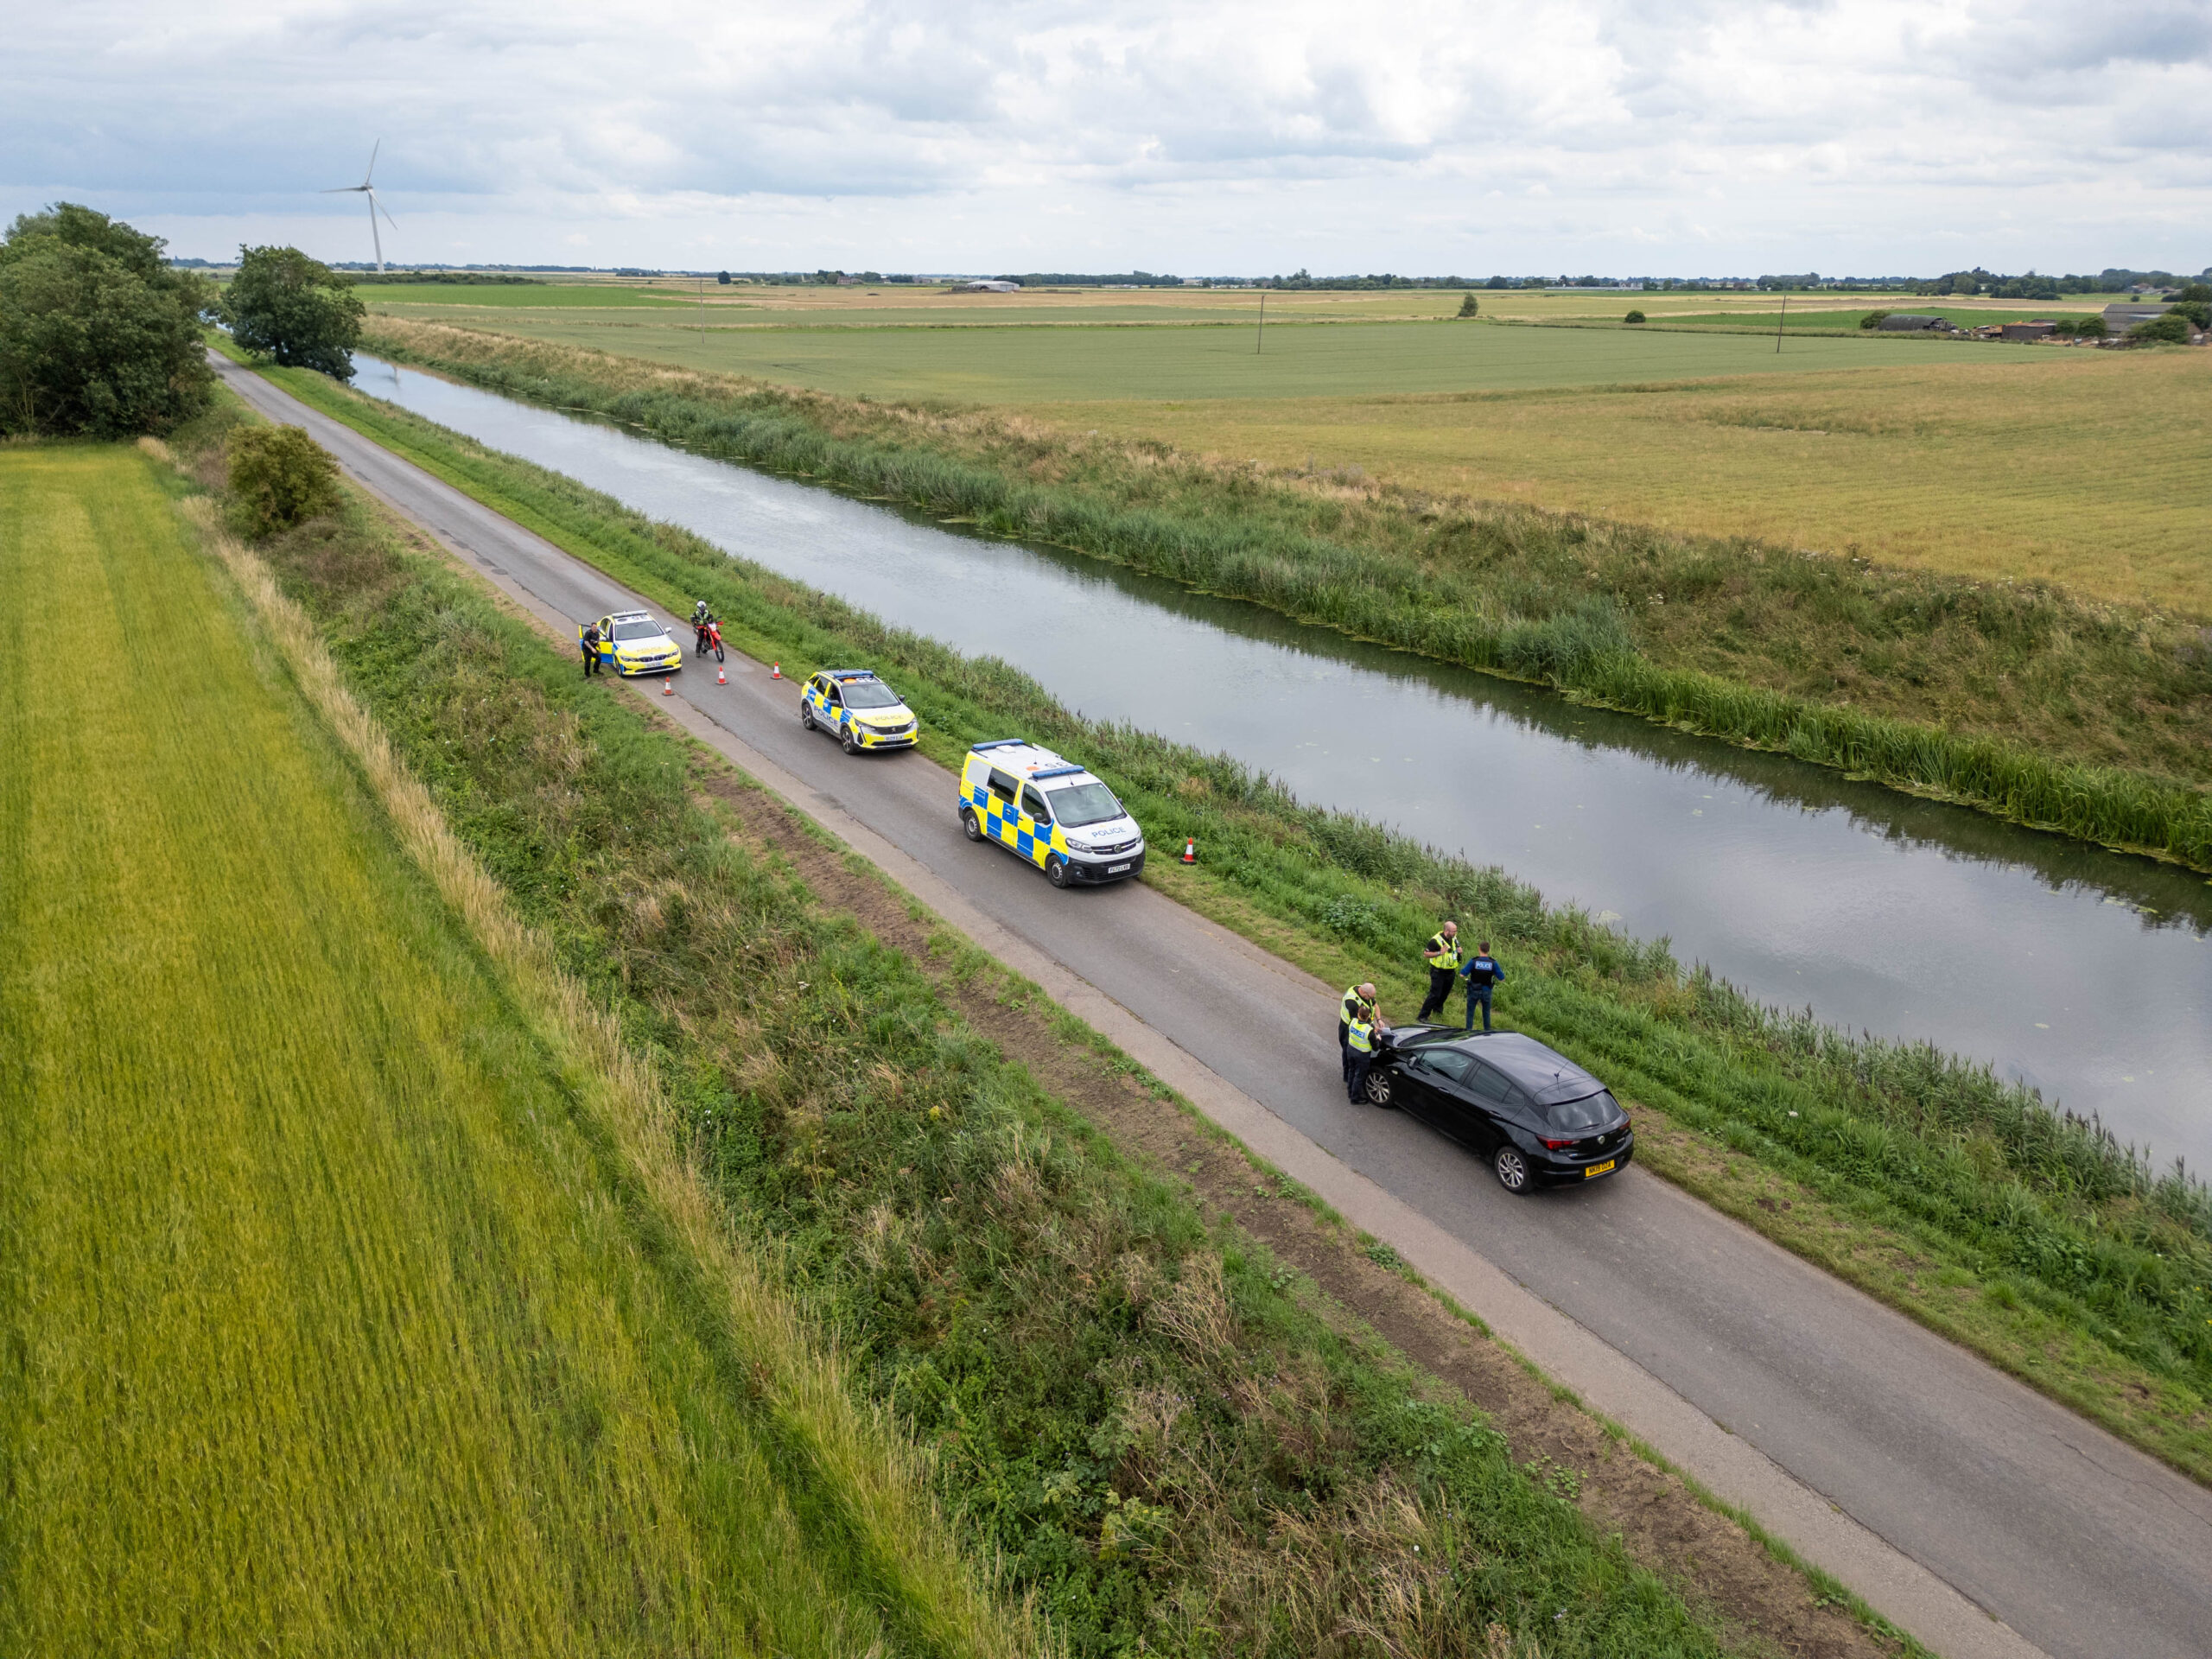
(328, 1321)
(603, 297)
(1996, 462)
(1023, 366)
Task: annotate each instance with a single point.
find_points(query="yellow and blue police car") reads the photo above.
(634, 642)
(1049, 811)
(858, 709)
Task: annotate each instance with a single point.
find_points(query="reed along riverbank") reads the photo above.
(2029, 1235)
(2094, 719)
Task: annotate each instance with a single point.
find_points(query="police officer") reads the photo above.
(590, 644)
(1442, 954)
(1359, 1040)
(1483, 970)
(1358, 1003)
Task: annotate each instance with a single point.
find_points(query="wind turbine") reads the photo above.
(367, 187)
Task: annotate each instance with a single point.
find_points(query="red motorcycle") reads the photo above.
(709, 638)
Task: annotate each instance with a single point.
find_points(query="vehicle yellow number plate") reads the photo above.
(1606, 1168)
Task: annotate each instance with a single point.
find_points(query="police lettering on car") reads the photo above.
(1049, 811)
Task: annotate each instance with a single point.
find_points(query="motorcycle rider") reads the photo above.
(701, 618)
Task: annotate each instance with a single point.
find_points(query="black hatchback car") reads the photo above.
(1535, 1115)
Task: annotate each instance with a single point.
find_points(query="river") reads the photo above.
(2084, 973)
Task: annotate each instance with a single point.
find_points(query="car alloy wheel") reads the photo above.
(1512, 1169)
(1378, 1089)
(1056, 870)
(851, 747)
(806, 716)
(969, 823)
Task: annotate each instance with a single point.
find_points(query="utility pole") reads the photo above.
(1261, 337)
(1777, 327)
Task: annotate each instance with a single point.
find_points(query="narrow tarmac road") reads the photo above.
(1742, 1361)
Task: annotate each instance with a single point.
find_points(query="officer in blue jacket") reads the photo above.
(1481, 971)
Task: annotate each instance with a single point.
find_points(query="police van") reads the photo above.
(1049, 811)
(858, 709)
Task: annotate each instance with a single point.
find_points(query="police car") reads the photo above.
(635, 642)
(1049, 811)
(858, 709)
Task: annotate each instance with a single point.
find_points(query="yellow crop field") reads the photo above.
(327, 1323)
(2089, 468)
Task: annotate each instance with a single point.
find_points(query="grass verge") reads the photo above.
(1131, 1409)
(339, 1314)
(2094, 721)
(2027, 1234)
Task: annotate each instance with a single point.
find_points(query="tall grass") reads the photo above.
(1514, 593)
(1138, 1417)
(1987, 1180)
(331, 1321)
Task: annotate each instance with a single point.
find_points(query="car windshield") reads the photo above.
(1081, 804)
(637, 628)
(868, 694)
(1591, 1112)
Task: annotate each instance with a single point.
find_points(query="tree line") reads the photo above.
(102, 336)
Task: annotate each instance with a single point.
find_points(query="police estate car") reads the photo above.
(1049, 811)
(858, 709)
(634, 642)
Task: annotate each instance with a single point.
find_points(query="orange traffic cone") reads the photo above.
(668, 688)
(721, 677)
(775, 670)
(1189, 851)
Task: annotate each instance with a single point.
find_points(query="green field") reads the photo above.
(510, 296)
(1020, 365)
(328, 1322)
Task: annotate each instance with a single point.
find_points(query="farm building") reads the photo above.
(2119, 319)
(2027, 331)
(1900, 322)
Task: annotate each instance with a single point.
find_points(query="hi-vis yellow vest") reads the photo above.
(1448, 953)
(1362, 1036)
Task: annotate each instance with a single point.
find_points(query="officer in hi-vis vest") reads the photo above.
(1358, 1003)
(1442, 954)
(1359, 1038)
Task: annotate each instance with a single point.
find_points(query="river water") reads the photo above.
(2084, 973)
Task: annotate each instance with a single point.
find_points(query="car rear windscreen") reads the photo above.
(1591, 1112)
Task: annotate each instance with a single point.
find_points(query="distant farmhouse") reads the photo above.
(1903, 323)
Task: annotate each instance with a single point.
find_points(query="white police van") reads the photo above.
(1049, 811)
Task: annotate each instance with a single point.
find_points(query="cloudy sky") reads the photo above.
(1694, 137)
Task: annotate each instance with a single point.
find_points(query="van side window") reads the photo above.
(1033, 804)
(1002, 786)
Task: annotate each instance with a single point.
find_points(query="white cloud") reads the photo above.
(1413, 135)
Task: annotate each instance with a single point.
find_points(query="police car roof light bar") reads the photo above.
(1058, 772)
(1000, 743)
